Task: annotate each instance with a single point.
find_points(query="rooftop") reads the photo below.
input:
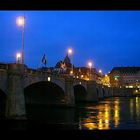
(122, 70)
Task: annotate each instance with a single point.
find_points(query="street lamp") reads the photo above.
(18, 57)
(100, 71)
(90, 66)
(70, 52)
(21, 22)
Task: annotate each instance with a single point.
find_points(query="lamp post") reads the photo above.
(70, 52)
(21, 22)
(90, 66)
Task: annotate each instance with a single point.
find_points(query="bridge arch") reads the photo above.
(29, 80)
(44, 98)
(80, 93)
(3, 98)
(44, 93)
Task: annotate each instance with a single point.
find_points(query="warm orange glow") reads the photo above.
(116, 113)
(137, 106)
(90, 126)
(86, 79)
(71, 72)
(106, 116)
(20, 21)
(70, 51)
(131, 107)
(100, 124)
(90, 64)
(18, 56)
(100, 71)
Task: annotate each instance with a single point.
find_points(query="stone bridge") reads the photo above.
(20, 86)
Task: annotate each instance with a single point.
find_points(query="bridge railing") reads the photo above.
(43, 72)
(51, 73)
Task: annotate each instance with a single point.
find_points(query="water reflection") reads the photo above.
(131, 107)
(100, 121)
(135, 108)
(112, 113)
(116, 113)
(106, 116)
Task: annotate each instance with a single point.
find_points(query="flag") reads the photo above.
(63, 65)
(44, 59)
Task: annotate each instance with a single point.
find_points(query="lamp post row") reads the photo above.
(21, 22)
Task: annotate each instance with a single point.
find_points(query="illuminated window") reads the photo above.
(49, 78)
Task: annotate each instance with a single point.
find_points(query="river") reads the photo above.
(108, 114)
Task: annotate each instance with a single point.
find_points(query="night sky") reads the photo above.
(109, 38)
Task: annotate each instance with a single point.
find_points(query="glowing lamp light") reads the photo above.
(90, 64)
(136, 91)
(116, 79)
(18, 55)
(20, 21)
(70, 51)
(87, 79)
(71, 72)
(49, 78)
(100, 71)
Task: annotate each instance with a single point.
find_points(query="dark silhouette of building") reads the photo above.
(64, 66)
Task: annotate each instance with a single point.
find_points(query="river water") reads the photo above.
(111, 113)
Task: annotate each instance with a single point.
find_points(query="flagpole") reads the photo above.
(23, 40)
(72, 64)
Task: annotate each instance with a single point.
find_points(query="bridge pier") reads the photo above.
(69, 92)
(110, 91)
(15, 105)
(91, 92)
(100, 92)
(106, 92)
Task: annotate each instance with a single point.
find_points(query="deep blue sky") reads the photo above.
(109, 38)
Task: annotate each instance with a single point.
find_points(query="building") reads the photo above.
(64, 67)
(87, 74)
(128, 77)
(106, 80)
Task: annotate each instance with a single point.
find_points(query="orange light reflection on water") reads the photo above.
(116, 113)
(101, 121)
